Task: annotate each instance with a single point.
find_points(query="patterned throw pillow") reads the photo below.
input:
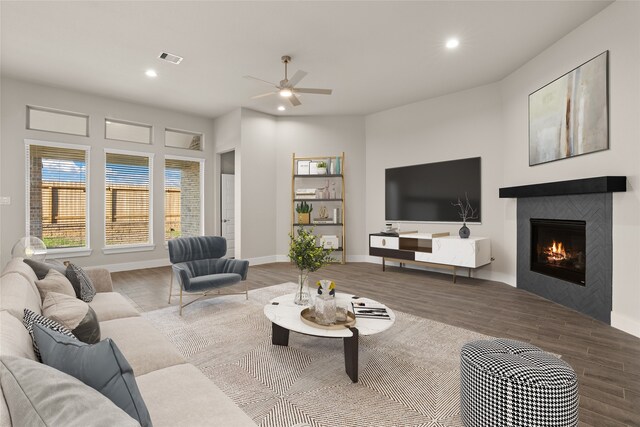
(30, 318)
(74, 314)
(81, 283)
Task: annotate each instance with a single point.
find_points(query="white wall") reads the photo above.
(17, 94)
(461, 125)
(258, 185)
(616, 29)
(492, 122)
(323, 136)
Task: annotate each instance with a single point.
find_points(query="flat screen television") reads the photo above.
(426, 192)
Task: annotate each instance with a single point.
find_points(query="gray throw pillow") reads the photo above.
(81, 283)
(100, 366)
(42, 268)
(30, 319)
(38, 395)
(73, 313)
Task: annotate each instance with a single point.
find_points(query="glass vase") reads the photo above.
(302, 296)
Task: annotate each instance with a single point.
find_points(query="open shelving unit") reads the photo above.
(318, 181)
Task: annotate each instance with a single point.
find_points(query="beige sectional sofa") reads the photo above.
(176, 393)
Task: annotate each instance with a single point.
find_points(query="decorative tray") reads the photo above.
(308, 316)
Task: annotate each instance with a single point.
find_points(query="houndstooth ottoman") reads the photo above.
(511, 383)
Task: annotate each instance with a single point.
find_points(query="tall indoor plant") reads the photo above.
(308, 257)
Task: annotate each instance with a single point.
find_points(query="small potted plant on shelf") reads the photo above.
(307, 257)
(322, 168)
(304, 210)
(466, 212)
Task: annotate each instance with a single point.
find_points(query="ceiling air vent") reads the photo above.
(174, 59)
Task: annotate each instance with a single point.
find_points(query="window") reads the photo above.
(57, 194)
(127, 198)
(127, 131)
(183, 139)
(48, 119)
(183, 197)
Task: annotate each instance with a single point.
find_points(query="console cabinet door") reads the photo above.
(384, 242)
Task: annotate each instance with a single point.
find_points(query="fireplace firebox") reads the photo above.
(558, 249)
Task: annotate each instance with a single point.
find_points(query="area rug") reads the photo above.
(409, 374)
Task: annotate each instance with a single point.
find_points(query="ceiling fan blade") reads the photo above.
(260, 80)
(264, 94)
(310, 90)
(294, 100)
(295, 79)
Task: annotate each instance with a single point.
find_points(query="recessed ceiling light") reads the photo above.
(452, 43)
(151, 73)
(281, 108)
(285, 93)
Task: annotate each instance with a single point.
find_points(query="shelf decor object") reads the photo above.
(466, 212)
(326, 186)
(569, 116)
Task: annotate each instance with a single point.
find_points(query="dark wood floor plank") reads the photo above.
(606, 360)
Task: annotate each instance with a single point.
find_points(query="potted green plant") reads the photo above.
(322, 168)
(304, 210)
(307, 257)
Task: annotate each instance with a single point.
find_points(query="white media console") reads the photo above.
(439, 249)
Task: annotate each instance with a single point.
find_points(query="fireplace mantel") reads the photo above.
(601, 184)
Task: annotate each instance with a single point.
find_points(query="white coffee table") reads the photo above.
(285, 317)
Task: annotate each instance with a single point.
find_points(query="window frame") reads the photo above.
(184, 132)
(131, 247)
(164, 187)
(60, 112)
(59, 252)
(130, 123)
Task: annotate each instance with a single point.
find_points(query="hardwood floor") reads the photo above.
(606, 360)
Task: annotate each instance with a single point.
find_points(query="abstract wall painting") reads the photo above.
(570, 116)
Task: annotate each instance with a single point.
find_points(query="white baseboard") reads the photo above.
(625, 323)
(136, 265)
(263, 260)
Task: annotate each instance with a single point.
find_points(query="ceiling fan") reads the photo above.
(287, 88)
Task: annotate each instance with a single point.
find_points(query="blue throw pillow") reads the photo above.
(101, 366)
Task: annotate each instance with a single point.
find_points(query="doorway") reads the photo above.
(227, 200)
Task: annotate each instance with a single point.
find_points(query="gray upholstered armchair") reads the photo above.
(200, 268)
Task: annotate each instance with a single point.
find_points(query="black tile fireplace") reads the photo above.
(558, 249)
(564, 241)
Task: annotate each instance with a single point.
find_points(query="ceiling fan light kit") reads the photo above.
(287, 87)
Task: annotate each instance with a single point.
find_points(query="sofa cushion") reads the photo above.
(16, 265)
(144, 346)
(81, 282)
(31, 319)
(100, 366)
(41, 268)
(54, 281)
(73, 313)
(16, 294)
(39, 395)
(14, 338)
(112, 305)
(205, 403)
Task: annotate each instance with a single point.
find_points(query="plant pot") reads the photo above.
(304, 218)
(322, 171)
(464, 232)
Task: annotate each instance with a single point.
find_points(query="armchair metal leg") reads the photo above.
(180, 300)
(170, 287)
(246, 290)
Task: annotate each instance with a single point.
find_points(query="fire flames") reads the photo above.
(556, 252)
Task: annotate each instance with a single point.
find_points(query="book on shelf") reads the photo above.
(306, 191)
(323, 221)
(306, 196)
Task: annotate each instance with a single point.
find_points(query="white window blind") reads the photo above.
(182, 198)
(57, 195)
(127, 203)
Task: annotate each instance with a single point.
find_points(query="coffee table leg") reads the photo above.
(351, 355)
(279, 335)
